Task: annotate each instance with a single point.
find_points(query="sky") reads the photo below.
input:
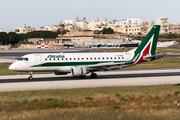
(38, 13)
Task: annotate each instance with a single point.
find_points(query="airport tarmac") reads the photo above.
(111, 78)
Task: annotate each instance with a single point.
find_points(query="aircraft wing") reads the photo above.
(106, 65)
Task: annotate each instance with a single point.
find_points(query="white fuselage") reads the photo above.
(63, 62)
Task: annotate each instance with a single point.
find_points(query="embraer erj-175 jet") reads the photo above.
(80, 64)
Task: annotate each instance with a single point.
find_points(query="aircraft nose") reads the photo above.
(12, 67)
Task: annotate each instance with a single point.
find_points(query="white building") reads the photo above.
(24, 29)
(164, 25)
(138, 21)
(49, 28)
(94, 24)
(97, 25)
(70, 22)
(82, 24)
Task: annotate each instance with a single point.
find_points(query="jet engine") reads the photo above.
(78, 72)
(59, 73)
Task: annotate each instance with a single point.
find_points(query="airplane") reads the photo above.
(80, 64)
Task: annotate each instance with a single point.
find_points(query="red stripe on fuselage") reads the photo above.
(144, 53)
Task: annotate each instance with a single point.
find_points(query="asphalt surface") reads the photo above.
(112, 78)
(68, 77)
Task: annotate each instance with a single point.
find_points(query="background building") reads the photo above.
(164, 25)
(53, 28)
(174, 28)
(25, 29)
(81, 24)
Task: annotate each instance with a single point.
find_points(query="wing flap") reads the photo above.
(109, 64)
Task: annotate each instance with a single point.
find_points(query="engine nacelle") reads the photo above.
(59, 73)
(78, 72)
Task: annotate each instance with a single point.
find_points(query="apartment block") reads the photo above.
(53, 28)
(164, 25)
(174, 28)
(24, 29)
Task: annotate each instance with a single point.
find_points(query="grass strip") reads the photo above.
(159, 101)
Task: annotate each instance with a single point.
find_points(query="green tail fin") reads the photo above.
(149, 43)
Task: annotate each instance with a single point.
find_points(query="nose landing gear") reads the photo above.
(30, 75)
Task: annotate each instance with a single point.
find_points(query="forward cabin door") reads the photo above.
(38, 59)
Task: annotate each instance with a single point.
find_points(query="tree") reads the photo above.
(107, 31)
(171, 36)
(3, 37)
(61, 30)
(38, 34)
(13, 38)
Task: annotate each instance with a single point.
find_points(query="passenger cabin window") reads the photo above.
(46, 59)
(66, 59)
(99, 58)
(87, 58)
(70, 58)
(74, 58)
(122, 57)
(114, 57)
(95, 58)
(82, 58)
(118, 57)
(54, 59)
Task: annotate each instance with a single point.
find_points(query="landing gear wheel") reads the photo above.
(30, 75)
(30, 78)
(93, 75)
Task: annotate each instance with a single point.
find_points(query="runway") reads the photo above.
(112, 78)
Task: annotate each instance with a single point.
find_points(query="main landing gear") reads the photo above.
(30, 75)
(93, 75)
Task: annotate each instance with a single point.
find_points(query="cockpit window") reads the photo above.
(20, 59)
(23, 59)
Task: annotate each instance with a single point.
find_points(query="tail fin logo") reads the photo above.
(147, 46)
(146, 51)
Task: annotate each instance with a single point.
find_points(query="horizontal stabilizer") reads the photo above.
(157, 56)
